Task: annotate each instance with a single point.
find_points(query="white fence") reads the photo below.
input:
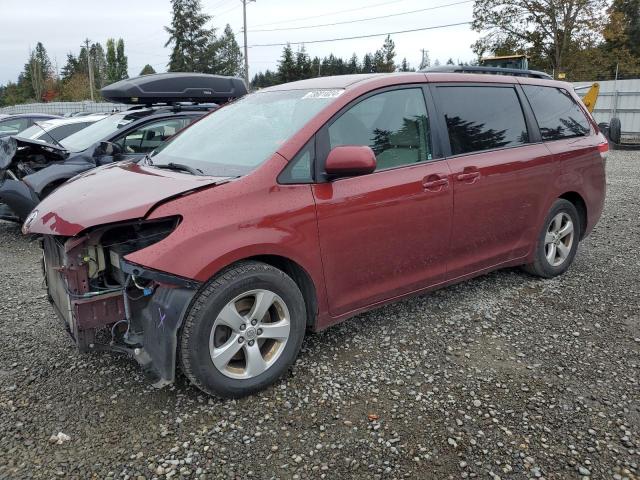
(618, 98)
(61, 108)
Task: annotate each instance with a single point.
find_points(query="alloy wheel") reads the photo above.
(559, 239)
(249, 334)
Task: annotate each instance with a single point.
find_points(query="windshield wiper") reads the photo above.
(178, 167)
(49, 135)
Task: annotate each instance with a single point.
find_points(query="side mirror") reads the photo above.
(108, 149)
(350, 161)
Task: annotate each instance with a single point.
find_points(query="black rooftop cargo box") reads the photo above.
(175, 87)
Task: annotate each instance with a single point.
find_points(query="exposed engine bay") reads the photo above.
(108, 303)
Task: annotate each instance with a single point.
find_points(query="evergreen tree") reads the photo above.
(388, 54)
(147, 70)
(303, 64)
(354, 65)
(316, 65)
(99, 64)
(450, 61)
(229, 57)
(378, 62)
(287, 66)
(367, 63)
(70, 67)
(190, 37)
(116, 63)
(112, 62)
(122, 61)
(37, 71)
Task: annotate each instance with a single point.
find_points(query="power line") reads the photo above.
(360, 36)
(364, 19)
(330, 13)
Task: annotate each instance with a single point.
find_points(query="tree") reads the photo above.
(190, 38)
(112, 62)
(545, 29)
(72, 66)
(450, 61)
(147, 70)
(99, 65)
(116, 63)
(388, 53)
(404, 67)
(354, 64)
(122, 61)
(75, 88)
(229, 59)
(367, 63)
(287, 66)
(303, 64)
(627, 14)
(36, 72)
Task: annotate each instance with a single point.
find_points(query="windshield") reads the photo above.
(97, 132)
(238, 137)
(35, 131)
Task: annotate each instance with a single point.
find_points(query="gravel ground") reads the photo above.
(505, 376)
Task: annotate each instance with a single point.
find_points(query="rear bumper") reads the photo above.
(142, 323)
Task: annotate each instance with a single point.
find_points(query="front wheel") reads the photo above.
(243, 331)
(557, 242)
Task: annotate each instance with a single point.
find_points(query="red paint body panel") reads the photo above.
(383, 234)
(364, 241)
(496, 214)
(108, 194)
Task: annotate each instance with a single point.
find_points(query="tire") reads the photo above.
(219, 326)
(615, 130)
(555, 249)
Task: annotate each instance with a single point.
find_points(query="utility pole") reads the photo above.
(246, 48)
(86, 44)
(425, 62)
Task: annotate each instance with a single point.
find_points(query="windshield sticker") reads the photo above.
(124, 122)
(323, 94)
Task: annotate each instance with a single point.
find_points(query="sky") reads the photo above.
(62, 25)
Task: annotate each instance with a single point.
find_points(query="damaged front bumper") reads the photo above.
(107, 303)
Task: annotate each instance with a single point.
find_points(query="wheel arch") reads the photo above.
(576, 199)
(301, 277)
(297, 272)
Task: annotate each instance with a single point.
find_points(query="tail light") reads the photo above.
(603, 148)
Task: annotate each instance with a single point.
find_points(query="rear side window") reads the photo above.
(482, 118)
(64, 131)
(557, 113)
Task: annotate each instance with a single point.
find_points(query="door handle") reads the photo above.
(468, 177)
(434, 183)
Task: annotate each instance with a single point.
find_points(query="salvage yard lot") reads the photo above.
(506, 375)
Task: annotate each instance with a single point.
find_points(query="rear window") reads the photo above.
(482, 118)
(557, 113)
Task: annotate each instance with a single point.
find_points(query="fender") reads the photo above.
(40, 180)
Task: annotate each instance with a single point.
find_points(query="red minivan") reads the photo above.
(301, 205)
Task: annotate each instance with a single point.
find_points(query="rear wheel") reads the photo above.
(243, 331)
(557, 242)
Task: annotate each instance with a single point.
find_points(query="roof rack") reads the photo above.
(490, 70)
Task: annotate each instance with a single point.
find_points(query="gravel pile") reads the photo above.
(504, 376)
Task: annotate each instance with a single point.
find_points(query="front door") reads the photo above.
(387, 233)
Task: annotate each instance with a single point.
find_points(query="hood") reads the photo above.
(30, 142)
(113, 193)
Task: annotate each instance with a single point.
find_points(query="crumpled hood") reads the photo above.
(112, 193)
